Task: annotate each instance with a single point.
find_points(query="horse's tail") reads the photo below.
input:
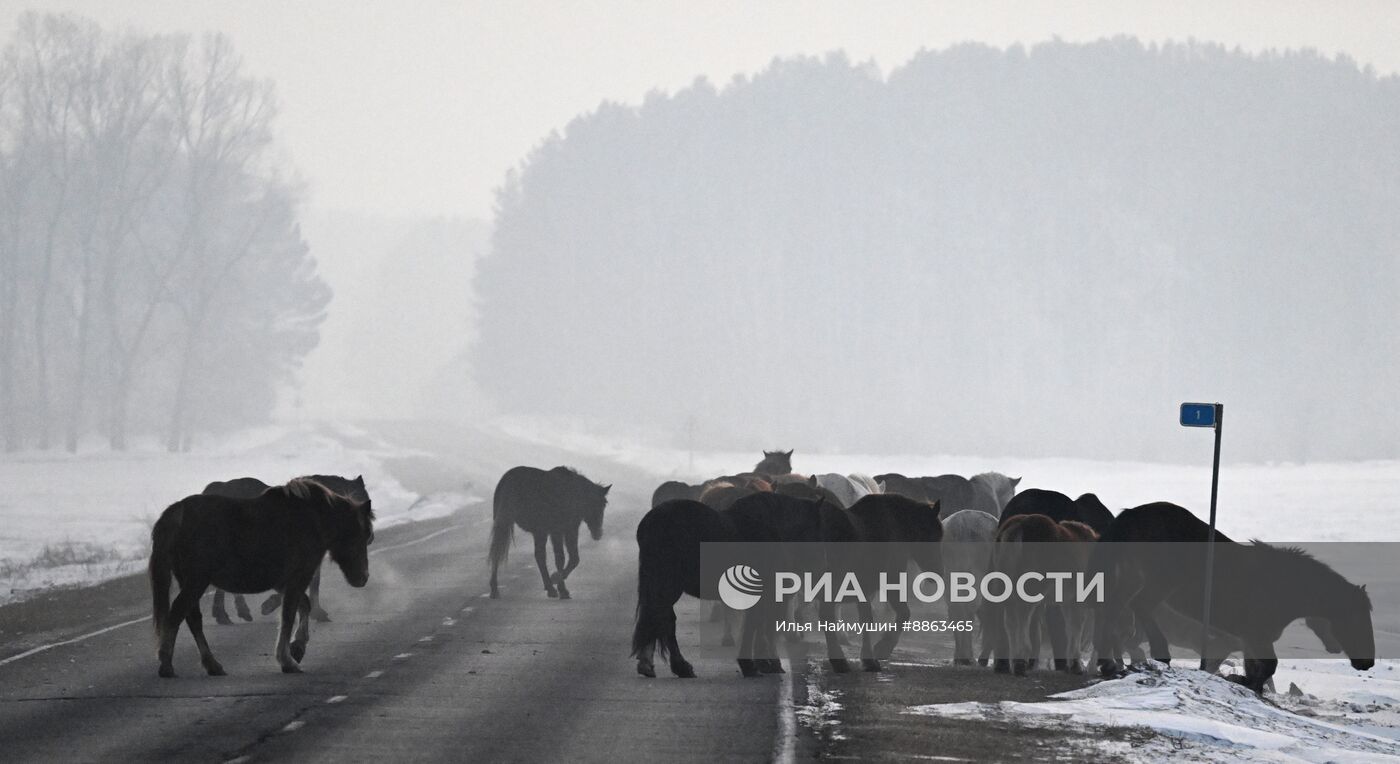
(502, 532)
(163, 562)
(651, 563)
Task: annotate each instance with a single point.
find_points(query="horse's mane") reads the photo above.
(308, 490)
(572, 473)
(1312, 565)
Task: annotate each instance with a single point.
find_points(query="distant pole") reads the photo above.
(1210, 538)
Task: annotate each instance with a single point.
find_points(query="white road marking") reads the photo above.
(43, 648)
(336, 699)
(785, 747)
(374, 674)
(294, 726)
(429, 638)
(403, 656)
(74, 640)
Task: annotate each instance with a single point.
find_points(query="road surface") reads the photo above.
(418, 666)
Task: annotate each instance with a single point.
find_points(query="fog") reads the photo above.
(917, 229)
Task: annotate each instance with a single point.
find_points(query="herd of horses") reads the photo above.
(984, 525)
(245, 537)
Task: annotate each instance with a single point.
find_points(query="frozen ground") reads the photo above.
(1340, 716)
(71, 519)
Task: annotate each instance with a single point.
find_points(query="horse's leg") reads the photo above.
(195, 621)
(318, 612)
(679, 665)
(240, 604)
(748, 634)
(1156, 641)
(1058, 626)
(218, 611)
(1074, 633)
(885, 647)
(1260, 669)
(272, 602)
(728, 615)
(868, 661)
(990, 623)
(1001, 637)
(293, 594)
(570, 544)
(1018, 629)
(540, 540)
(303, 636)
(186, 599)
(557, 541)
(1035, 629)
(770, 663)
(834, 654)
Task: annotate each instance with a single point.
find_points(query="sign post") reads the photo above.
(1209, 415)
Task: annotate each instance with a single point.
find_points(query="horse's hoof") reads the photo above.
(1076, 668)
(298, 651)
(771, 666)
(1020, 667)
(1031, 663)
(962, 662)
(870, 664)
(747, 668)
(222, 619)
(495, 594)
(246, 615)
(167, 672)
(1108, 669)
(215, 670)
(564, 594)
(728, 641)
(1001, 666)
(551, 593)
(320, 616)
(840, 665)
(292, 669)
(1061, 664)
(982, 662)
(646, 669)
(683, 670)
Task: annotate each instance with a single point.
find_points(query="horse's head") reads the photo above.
(1351, 627)
(351, 528)
(775, 463)
(593, 505)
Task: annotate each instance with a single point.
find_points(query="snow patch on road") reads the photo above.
(1199, 717)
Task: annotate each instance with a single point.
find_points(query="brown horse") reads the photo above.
(549, 505)
(1025, 543)
(274, 541)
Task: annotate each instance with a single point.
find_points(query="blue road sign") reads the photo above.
(1198, 414)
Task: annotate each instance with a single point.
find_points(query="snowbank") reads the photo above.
(1206, 718)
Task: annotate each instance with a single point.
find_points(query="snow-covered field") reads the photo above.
(72, 519)
(1336, 714)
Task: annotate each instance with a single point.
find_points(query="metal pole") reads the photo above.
(1210, 539)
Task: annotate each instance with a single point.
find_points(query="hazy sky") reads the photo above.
(419, 108)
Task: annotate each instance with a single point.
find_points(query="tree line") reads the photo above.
(991, 251)
(153, 276)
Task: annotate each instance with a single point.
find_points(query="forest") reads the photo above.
(981, 251)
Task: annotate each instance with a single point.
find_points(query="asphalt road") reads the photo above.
(418, 666)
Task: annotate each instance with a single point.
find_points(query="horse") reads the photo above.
(1037, 543)
(908, 531)
(1086, 509)
(1258, 590)
(550, 505)
(668, 565)
(904, 486)
(866, 482)
(846, 490)
(952, 492)
(967, 548)
(674, 489)
(774, 463)
(273, 541)
(993, 491)
(250, 487)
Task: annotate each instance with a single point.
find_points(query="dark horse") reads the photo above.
(1259, 589)
(775, 463)
(675, 489)
(249, 488)
(668, 565)
(1086, 509)
(273, 541)
(549, 505)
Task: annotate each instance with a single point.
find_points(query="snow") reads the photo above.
(1206, 718)
(75, 519)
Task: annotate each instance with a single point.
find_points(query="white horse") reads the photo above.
(846, 490)
(993, 489)
(968, 537)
